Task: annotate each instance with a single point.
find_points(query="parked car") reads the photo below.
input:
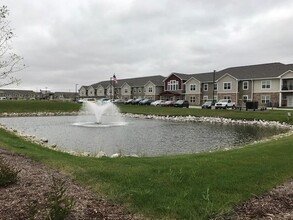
(157, 102)
(103, 100)
(224, 104)
(168, 104)
(136, 101)
(87, 100)
(145, 102)
(208, 104)
(118, 101)
(129, 101)
(181, 104)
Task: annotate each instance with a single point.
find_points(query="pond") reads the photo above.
(143, 137)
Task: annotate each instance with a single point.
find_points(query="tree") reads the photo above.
(9, 61)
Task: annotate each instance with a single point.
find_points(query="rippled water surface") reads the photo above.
(143, 137)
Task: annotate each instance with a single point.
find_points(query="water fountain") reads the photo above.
(99, 114)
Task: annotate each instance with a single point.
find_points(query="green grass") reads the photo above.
(181, 187)
(269, 115)
(37, 106)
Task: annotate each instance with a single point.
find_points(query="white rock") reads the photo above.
(101, 154)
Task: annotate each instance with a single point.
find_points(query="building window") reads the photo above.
(139, 90)
(150, 89)
(245, 98)
(125, 90)
(266, 84)
(245, 85)
(227, 86)
(134, 90)
(173, 85)
(192, 99)
(265, 99)
(205, 87)
(205, 98)
(192, 87)
(227, 97)
(215, 86)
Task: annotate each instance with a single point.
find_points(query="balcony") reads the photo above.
(287, 87)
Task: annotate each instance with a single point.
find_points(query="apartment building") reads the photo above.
(270, 84)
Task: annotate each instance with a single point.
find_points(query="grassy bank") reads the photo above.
(269, 115)
(37, 106)
(182, 187)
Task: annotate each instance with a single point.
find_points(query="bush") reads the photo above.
(8, 175)
(59, 204)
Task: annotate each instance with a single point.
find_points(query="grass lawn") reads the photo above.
(196, 186)
(37, 106)
(269, 115)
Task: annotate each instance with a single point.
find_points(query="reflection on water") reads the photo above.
(137, 136)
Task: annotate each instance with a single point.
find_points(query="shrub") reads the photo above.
(59, 203)
(8, 175)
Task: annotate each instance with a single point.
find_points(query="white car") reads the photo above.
(157, 102)
(224, 104)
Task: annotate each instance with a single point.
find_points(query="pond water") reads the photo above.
(142, 137)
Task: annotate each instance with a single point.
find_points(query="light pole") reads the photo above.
(214, 78)
(76, 92)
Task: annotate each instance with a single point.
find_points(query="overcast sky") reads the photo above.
(69, 42)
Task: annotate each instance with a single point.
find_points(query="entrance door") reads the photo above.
(289, 101)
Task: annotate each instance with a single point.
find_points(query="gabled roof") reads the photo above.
(134, 82)
(267, 70)
(182, 76)
(226, 74)
(86, 87)
(206, 77)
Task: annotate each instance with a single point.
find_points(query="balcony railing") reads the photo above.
(287, 87)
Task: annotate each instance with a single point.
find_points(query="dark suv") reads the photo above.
(182, 103)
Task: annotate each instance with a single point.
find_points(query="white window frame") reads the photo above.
(245, 85)
(265, 99)
(215, 86)
(227, 86)
(134, 90)
(150, 89)
(173, 85)
(205, 87)
(139, 90)
(265, 84)
(245, 98)
(192, 87)
(227, 97)
(205, 98)
(192, 99)
(125, 90)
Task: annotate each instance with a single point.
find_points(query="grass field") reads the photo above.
(37, 106)
(196, 186)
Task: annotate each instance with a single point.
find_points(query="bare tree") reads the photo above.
(9, 61)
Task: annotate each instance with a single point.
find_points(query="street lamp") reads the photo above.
(76, 92)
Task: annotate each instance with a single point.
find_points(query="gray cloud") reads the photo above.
(68, 42)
